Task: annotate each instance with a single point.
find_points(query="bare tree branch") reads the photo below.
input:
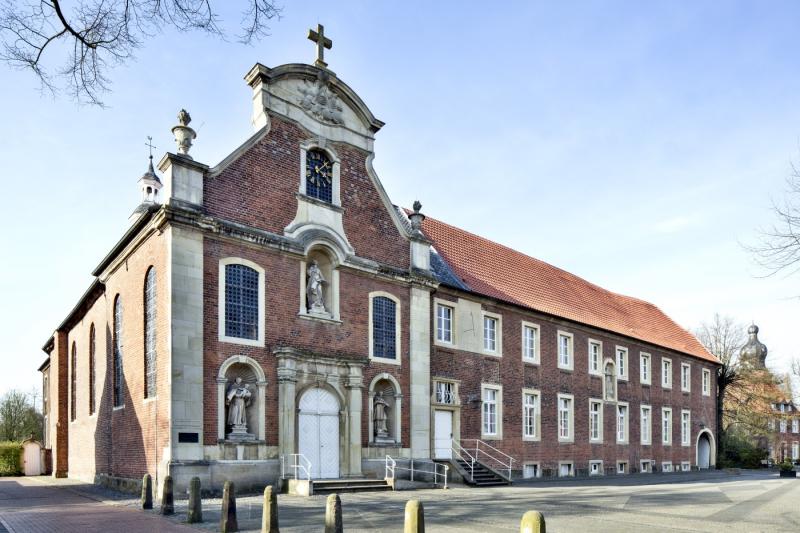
(94, 36)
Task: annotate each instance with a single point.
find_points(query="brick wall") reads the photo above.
(513, 374)
(127, 441)
(259, 189)
(285, 328)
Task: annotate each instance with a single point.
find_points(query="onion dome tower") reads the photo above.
(754, 352)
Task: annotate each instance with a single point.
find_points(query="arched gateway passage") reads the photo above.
(318, 431)
(706, 452)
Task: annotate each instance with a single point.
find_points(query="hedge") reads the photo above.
(10, 459)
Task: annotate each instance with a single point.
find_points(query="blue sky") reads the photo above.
(637, 146)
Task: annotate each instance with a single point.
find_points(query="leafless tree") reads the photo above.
(723, 337)
(778, 249)
(80, 43)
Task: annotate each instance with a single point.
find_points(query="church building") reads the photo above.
(277, 313)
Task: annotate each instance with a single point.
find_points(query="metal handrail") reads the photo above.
(391, 467)
(507, 464)
(456, 448)
(299, 462)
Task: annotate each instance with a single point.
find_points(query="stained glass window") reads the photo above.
(383, 327)
(241, 302)
(150, 333)
(72, 402)
(91, 368)
(118, 373)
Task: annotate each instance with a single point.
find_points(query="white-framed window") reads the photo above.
(686, 377)
(686, 466)
(646, 424)
(595, 357)
(644, 368)
(783, 426)
(241, 302)
(795, 451)
(686, 427)
(706, 382)
(491, 334)
(531, 470)
(666, 373)
(666, 426)
(531, 419)
(444, 323)
(565, 417)
(646, 466)
(595, 420)
(666, 467)
(445, 392)
(564, 350)
(622, 363)
(622, 467)
(795, 426)
(595, 468)
(384, 327)
(565, 469)
(622, 423)
(491, 413)
(530, 342)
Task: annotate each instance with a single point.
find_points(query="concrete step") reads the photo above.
(325, 486)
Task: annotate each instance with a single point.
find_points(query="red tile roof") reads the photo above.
(499, 272)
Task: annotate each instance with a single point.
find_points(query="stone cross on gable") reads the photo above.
(322, 43)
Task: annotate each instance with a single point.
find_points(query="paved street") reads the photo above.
(750, 502)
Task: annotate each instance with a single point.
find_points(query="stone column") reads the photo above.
(355, 384)
(221, 411)
(287, 411)
(262, 410)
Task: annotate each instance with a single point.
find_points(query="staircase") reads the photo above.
(481, 475)
(328, 486)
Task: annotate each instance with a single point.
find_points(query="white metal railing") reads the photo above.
(392, 468)
(299, 465)
(485, 453)
(460, 452)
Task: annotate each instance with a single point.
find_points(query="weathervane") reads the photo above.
(149, 144)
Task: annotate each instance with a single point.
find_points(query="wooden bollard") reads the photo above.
(227, 521)
(532, 522)
(333, 515)
(415, 517)
(269, 515)
(195, 513)
(168, 497)
(147, 492)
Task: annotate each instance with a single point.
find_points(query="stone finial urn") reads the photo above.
(416, 218)
(184, 135)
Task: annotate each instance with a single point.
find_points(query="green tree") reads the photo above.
(19, 419)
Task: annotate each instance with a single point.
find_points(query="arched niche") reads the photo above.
(705, 450)
(384, 389)
(320, 270)
(252, 375)
(609, 380)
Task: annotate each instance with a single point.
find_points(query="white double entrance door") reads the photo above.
(318, 432)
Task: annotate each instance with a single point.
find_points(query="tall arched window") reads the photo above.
(150, 333)
(241, 302)
(91, 368)
(73, 381)
(118, 373)
(384, 315)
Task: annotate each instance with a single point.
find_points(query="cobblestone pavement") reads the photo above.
(750, 502)
(40, 505)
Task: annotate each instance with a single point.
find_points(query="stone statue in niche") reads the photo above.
(380, 409)
(314, 288)
(609, 377)
(238, 400)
